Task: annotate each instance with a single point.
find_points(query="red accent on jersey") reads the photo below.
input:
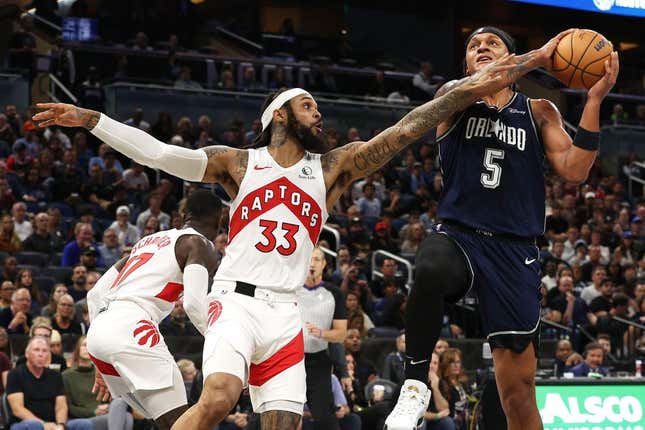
(150, 331)
(103, 367)
(214, 311)
(287, 356)
(131, 265)
(261, 167)
(171, 292)
(265, 198)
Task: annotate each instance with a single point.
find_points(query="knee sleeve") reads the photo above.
(442, 269)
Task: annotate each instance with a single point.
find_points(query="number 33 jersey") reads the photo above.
(152, 277)
(275, 221)
(492, 161)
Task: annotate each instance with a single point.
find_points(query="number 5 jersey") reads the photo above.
(275, 221)
(492, 161)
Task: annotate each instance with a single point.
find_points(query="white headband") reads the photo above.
(277, 103)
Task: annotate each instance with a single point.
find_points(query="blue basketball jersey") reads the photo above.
(492, 162)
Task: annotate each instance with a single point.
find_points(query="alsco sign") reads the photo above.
(592, 407)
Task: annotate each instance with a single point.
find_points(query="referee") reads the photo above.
(324, 319)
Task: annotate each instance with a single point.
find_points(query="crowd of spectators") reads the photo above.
(72, 207)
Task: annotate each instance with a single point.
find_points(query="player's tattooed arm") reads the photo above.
(279, 420)
(226, 166)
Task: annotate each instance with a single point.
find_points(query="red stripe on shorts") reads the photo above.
(287, 356)
(103, 367)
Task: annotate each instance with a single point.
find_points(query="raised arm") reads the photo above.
(346, 164)
(211, 164)
(572, 159)
(197, 257)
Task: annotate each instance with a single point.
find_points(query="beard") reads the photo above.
(308, 140)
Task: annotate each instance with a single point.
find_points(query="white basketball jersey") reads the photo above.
(152, 277)
(275, 221)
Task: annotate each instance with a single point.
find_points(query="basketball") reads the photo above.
(579, 59)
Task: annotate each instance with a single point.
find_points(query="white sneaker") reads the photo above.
(409, 410)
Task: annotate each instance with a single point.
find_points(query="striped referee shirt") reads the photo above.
(320, 305)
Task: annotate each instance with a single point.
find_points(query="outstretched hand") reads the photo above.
(65, 115)
(495, 76)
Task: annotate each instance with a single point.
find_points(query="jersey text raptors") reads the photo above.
(275, 221)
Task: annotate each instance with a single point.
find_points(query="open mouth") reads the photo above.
(483, 59)
(318, 126)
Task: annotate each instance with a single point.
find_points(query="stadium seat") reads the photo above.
(61, 274)
(66, 210)
(56, 259)
(45, 283)
(34, 258)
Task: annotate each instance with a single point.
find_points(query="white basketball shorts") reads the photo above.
(127, 348)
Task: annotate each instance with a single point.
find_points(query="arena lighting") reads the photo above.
(634, 8)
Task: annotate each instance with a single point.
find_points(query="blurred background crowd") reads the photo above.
(194, 74)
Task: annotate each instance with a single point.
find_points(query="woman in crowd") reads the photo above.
(356, 317)
(59, 290)
(78, 381)
(6, 291)
(453, 387)
(64, 317)
(437, 416)
(9, 240)
(25, 279)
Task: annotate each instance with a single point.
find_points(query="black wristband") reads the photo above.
(585, 139)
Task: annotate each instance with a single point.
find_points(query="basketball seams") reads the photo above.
(584, 71)
(573, 73)
(575, 70)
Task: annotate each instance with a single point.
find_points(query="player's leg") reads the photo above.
(515, 376)
(225, 369)
(280, 420)
(319, 394)
(443, 273)
(509, 301)
(219, 396)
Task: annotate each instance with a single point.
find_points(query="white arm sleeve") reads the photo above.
(187, 164)
(96, 295)
(195, 292)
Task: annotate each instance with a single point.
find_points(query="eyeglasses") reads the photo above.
(65, 305)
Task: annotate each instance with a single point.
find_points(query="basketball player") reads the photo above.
(128, 302)
(492, 208)
(281, 190)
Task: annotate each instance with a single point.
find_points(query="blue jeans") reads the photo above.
(76, 424)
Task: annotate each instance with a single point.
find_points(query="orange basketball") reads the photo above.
(579, 59)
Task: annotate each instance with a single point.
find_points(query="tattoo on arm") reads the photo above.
(89, 117)
(279, 420)
(371, 156)
(241, 162)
